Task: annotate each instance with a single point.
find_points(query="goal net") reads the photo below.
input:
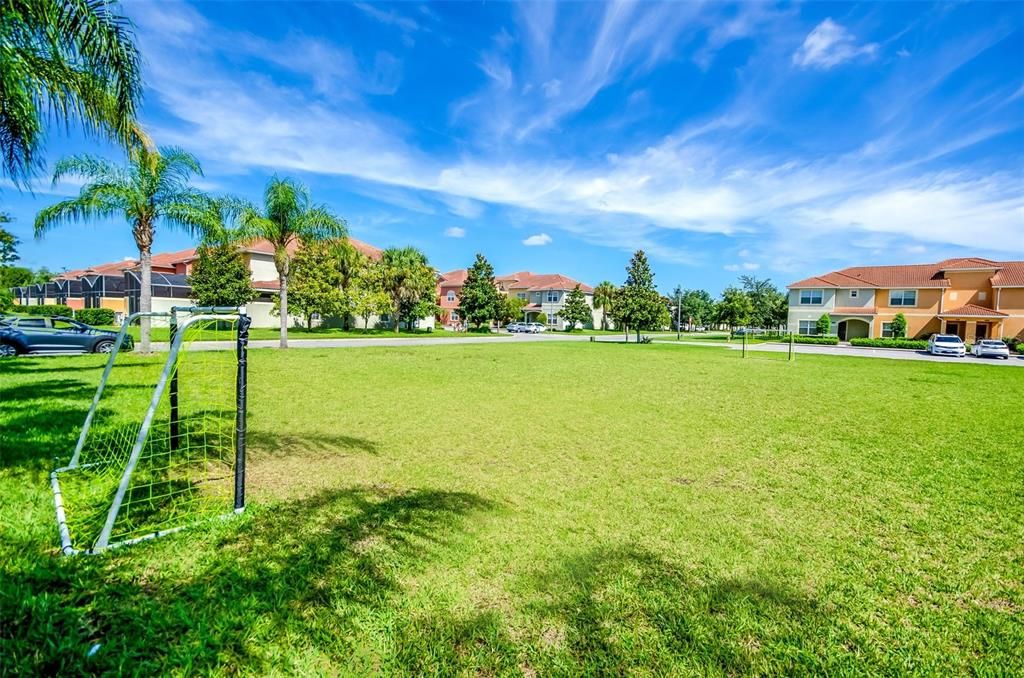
(163, 443)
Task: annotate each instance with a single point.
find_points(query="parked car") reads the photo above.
(535, 328)
(946, 344)
(515, 327)
(56, 334)
(991, 348)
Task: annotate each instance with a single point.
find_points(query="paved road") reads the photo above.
(892, 354)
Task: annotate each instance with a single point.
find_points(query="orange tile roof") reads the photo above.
(972, 311)
(454, 278)
(266, 285)
(535, 282)
(1010, 275)
(169, 259)
(265, 247)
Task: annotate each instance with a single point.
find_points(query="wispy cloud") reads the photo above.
(538, 240)
(830, 44)
(454, 232)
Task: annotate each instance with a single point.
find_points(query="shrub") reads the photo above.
(1015, 344)
(824, 324)
(899, 326)
(915, 344)
(95, 316)
(46, 309)
(822, 341)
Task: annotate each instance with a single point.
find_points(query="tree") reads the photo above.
(351, 265)
(63, 60)
(220, 276)
(366, 296)
(899, 326)
(541, 318)
(15, 276)
(604, 297)
(509, 309)
(639, 305)
(697, 307)
(288, 217)
(479, 298)
(8, 243)
(824, 325)
(316, 282)
(575, 310)
(409, 281)
(770, 307)
(735, 309)
(153, 188)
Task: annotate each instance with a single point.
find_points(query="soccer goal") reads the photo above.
(163, 443)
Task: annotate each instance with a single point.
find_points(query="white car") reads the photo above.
(534, 328)
(946, 344)
(991, 348)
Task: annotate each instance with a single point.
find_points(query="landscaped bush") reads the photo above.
(1015, 344)
(95, 316)
(823, 341)
(916, 344)
(46, 309)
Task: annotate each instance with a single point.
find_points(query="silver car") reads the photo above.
(991, 348)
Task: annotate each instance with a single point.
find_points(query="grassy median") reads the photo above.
(549, 509)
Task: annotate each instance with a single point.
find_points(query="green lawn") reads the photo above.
(550, 509)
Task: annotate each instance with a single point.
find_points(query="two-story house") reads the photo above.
(449, 286)
(971, 297)
(545, 293)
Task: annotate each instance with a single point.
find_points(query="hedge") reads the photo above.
(46, 309)
(916, 344)
(823, 341)
(95, 316)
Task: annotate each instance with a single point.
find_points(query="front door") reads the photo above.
(841, 331)
(981, 332)
(953, 328)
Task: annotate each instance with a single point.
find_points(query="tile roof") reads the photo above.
(454, 278)
(265, 247)
(169, 259)
(266, 285)
(537, 282)
(1008, 273)
(972, 311)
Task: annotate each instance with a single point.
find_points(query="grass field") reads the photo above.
(550, 509)
(162, 333)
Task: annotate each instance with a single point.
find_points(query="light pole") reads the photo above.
(679, 308)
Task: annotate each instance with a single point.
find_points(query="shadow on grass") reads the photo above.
(285, 444)
(297, 579)
(613, 610)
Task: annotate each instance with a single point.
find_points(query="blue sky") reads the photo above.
(774, 140)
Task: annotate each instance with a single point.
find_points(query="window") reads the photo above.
(552, 296)
(887, 330)
(808, 327)
(31, 322)
(854, 294)
(810, 297)
(553, 319)
(521, 295)
(981, 296)
(451, 295)
(903, 297)
(455, 316)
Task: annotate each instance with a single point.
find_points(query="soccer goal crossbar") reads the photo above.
(159, 450)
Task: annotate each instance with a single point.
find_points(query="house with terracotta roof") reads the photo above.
(545, 293)
(117, 285)
(449, 287)
(971, 297)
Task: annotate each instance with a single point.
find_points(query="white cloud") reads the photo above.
(538, 240)
(454, 232)
(828, 45)
(745, 266)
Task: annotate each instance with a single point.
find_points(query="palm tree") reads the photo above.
(604, 297)
(289, 217)
(63, 60)
(152, 188)
(407, 278)
(351, 264)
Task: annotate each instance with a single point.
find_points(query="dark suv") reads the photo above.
(57, 334)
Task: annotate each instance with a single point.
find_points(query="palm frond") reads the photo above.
(319, 223)
(90, 167)
(97, 200)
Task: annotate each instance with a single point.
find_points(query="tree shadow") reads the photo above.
(620, 609)
(270, 443)
(272, 584)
